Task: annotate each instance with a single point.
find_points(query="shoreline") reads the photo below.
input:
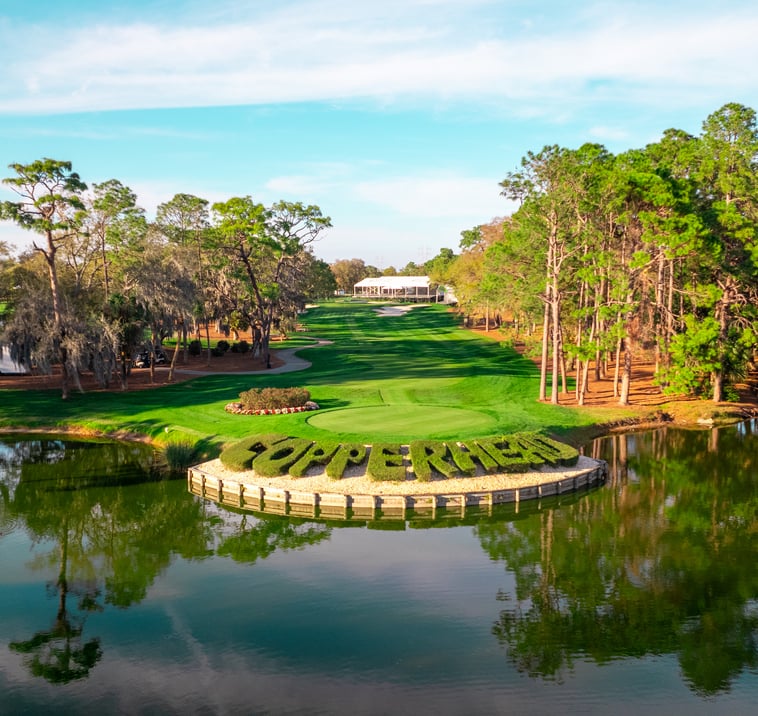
(723, 415)
(356, 481)
(358, 496)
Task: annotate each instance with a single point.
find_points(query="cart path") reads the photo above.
(291, 363)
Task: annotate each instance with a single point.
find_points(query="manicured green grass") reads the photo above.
(409, 419)
(420, 374)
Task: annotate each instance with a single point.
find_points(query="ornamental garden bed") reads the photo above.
(274, 455)
(272, 401)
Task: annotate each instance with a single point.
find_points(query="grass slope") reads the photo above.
(433, 379)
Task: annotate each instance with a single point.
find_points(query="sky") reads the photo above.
(398, 119)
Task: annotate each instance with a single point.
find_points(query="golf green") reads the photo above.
(413, 420)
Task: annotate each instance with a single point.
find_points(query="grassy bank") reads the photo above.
(391, 378)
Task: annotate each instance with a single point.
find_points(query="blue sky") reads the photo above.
(397, 118)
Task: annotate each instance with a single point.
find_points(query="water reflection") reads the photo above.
(659, 562)
(165, 602)
(102, 546)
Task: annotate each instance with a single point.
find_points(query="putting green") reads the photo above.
(413, 420)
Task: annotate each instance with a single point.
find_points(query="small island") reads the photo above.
(329, 479)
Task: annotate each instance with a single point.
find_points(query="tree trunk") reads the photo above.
(208, 341)
(584, 381)
(556, 350)
(61, 350)
(545, 353)
(626, 378)
(172, 367)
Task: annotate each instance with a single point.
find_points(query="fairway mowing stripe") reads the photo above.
(395, 396)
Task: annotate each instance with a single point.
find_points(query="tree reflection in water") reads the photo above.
(106, 547)
(657, 562)
(660, 561)
(84, 507)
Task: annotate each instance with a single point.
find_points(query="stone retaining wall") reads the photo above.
(246, 495)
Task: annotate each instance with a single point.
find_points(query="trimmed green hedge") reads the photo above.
(279, 458)
(275, 455)
(553, 452)
(430, 455)
(385, 462)
(240, 455)
(320, 453)
(347, 454)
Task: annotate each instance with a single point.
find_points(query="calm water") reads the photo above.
(122, 593)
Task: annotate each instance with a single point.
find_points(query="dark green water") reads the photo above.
(122, 593)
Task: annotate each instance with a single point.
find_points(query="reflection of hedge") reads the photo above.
(274, 455)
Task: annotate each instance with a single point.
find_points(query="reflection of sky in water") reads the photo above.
(364, 621)
(13, 454)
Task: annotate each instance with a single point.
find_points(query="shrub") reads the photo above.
(272, 455)
(508, 454)
(195, 348)
(474, 451)
(216, 352)
(240, 455)
(348, 454)
(551, 451)
(240, 347)
(273, 398)
(428, 456)
(278, 459)
(386, 463)
(462, 459)
(319, 453)
(222, 346)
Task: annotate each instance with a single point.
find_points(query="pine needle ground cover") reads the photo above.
(383, 378)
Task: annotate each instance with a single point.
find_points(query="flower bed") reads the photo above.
(272, 401)
(239, 409)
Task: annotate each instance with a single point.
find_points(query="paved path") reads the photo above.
(292, 362)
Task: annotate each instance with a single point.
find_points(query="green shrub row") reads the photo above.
(347, 454)
(279, 458)
(273, 398)
(241, 347)
(240, 455)
(428, 456)
(275, 455)
(385, 462)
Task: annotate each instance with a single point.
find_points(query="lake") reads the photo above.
(123, 593)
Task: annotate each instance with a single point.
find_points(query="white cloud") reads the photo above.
(602, 133)
(430, 196)
(16, 238)
(340, 50)
(321, 179)
(152, 193)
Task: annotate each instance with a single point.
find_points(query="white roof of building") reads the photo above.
(395, 282)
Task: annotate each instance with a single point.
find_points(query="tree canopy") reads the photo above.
(102, 281)
(652, 253)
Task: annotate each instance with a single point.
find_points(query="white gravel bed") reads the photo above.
(356, 482)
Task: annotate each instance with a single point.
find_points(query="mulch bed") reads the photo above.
(139, 378)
